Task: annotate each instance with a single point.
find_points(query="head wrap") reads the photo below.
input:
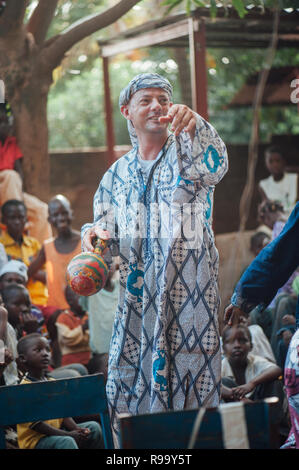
(143, 80)
(15, 266)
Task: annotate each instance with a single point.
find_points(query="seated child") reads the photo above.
(23, 248)
(21, 322)
(15, 272)
(247, 377)
(253, 376)
(15, 319)
(73, 331)
(62, 433)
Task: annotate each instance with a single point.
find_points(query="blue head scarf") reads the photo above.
(143, 80)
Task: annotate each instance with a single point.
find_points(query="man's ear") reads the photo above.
(125, 111)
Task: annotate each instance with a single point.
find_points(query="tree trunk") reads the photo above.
(32, 135)
(27, 60)
(27, 81)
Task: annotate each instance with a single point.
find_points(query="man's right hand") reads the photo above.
(91, 234)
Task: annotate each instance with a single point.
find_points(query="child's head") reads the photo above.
(34, 354)
(14, 216)
(269, 212)
(237, 343)
(73, 300)
(17, 302)
(13, 272)
(258, 241)
(60, 213)
(274, 161)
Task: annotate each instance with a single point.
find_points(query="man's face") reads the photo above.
(275, 163)
(145, 108)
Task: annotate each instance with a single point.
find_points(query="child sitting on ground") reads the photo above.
(250, 376)
(56, 253)
(247, 377)
(15, 272)
(73, 331)
(64, 433)
(21, 322)
(16, 320)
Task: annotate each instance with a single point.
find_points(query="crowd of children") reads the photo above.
(44, 328)
(49, 332)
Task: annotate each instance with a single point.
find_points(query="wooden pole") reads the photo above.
(197, 46)
(110, 140)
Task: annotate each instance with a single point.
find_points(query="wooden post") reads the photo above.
(197, 46)
(110, 140)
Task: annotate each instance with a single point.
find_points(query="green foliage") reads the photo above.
(76, 105)
(238, 5)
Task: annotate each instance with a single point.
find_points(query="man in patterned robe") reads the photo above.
(155, 202)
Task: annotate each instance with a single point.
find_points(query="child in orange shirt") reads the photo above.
(57, 252)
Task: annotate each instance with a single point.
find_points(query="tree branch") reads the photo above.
(41, 19)
(84, 28)
(13, 16)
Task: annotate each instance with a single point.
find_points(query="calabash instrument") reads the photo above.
(87, 272)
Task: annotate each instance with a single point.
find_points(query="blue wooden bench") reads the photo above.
(55, 399)
(173, 429)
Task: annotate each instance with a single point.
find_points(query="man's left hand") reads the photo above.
(233, 315)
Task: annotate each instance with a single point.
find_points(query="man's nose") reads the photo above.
(155, 104)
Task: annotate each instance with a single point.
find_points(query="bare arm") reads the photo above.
(71, 429)
(37, 263)
(49, 430)
(268, 375)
